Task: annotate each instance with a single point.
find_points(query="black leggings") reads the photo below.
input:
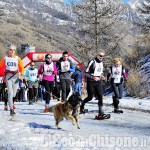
(94, 87)
(65, 87)
(32, 93)
(117, 89)
(49, 88)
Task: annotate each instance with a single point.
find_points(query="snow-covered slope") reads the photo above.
(142, 7)
(53, 11)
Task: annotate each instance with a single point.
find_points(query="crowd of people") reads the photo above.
(54, 80)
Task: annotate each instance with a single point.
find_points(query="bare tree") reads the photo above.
(96, 25)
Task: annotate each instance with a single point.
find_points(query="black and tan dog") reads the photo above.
(69, 110)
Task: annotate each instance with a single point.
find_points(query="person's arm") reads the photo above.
(26, 76)
(58, 66)
(21, 67)
(88, 68)
(124, 74)
(55, 69)
(2, 67)
(73, 75)
(72, 69)
(108, 75)
(41, 70)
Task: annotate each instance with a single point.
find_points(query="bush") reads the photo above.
(136, 84)
(13, 21)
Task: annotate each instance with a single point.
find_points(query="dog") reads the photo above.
(69, 110)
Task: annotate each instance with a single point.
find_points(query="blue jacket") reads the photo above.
(77, 76)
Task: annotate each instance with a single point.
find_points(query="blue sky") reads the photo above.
(67, 1)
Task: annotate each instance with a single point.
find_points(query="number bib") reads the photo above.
(11, 63)
(48, 69)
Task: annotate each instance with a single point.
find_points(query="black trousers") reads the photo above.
(94, 87)
(65, 87)
(48, 89)
(118, 91)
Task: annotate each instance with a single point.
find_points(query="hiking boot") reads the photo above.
(30, 103)
(6, 108)
(12, 113)
(46, 110)
(14, 107)
(118, 111)
(83, 111)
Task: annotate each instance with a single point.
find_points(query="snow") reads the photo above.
(31, 129)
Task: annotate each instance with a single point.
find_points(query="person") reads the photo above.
(22, 90)
(94, 74)
(1, 88)
(65, 67)
(47, 71)
(116, 76)
(12, 65)
(31, 76)
(77, 76)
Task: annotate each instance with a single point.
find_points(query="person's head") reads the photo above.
(117, 62)
(65, 55)
(100, 55)
(32, 65)
(11, 50)
(48, 58)
(77, 67)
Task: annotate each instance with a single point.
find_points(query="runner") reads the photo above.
(65, 67)
(12, 65)
(47, 71)
(31, 76)
(116, 75)
(94, 74)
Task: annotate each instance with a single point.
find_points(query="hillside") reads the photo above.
(47, 25)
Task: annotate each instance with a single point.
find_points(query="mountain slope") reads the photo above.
(46, 24)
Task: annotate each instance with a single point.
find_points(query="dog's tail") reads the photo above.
(51, 109)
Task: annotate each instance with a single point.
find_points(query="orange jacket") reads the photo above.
(3, 66)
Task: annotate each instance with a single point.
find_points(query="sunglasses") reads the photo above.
(101, 56)
(12, 49)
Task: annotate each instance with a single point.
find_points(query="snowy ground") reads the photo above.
(31, 129)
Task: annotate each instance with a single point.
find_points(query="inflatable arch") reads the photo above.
(40, 57)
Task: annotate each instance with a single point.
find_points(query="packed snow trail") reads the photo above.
(31, 129)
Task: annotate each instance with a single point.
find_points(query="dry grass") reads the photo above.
(136, 85)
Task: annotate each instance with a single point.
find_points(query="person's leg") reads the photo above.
(68, 84)
(10, 93)
(35, 88)
(47, 92)
(116, 95)
(30, 95)
(90, 92)
(63, 87)
(99, 93)
(12, 84)
(120, 88)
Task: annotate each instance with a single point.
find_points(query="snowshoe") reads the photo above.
(118, 111)
(102, 117)
(83, 111)
(12, 112)
(30, 103)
